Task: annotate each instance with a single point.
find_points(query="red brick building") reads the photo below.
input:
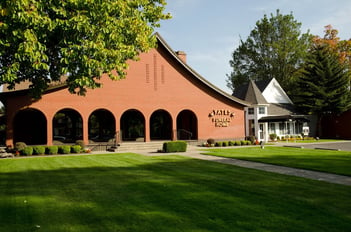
(162, 98)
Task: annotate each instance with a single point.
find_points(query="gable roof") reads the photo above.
(274, 93)
(251, 93)
(23, 87)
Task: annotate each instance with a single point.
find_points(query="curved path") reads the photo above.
(193, 152)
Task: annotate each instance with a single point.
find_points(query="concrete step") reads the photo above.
(130, 146)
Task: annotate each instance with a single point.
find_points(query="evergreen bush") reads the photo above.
(19, 146)
(174, 146)
(225, 144)
(80, 143)
(76, 148)
(219, 144)
(237, 143)
(65, 149)
(51, 150)
(27, 151)
(210, 142)
(38, 150)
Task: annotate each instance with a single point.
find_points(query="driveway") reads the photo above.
(343, 146)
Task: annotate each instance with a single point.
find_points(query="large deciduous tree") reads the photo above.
(341, 48)
(42, 40)
(324, 86)
(275, 48)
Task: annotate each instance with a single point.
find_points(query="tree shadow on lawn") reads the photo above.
(166, 194)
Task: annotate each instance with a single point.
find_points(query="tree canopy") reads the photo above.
(324, 86)
(275, 48)
(42, 40)
(342, 48)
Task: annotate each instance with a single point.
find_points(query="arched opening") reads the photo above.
(161, 125)
(67, 126)
(30, 127)
(102, 126)
(186, 125)
(133, 126)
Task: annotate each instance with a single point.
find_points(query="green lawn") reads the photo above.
(129, 192)
(338, 162)
(311, 141)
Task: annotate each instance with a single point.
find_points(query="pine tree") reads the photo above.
(324, 87)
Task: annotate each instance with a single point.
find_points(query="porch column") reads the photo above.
(147, 130)
(174, 129)
(85, 130)
(49, 130)
(118, 135)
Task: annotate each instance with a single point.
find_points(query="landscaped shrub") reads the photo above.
(174, 146)
(237, 143)
(80, 143)
(76, 148)
(51, 150)
(38, 150)
(210, 142)
(19, 146)
(65, 149)
(248, 142)
(225, 144)
(27, 151)
(251, 138)
(273, 137)
(242, 142)
(231, 143)
(218, 144)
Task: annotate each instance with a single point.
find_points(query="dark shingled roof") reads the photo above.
(251, 93)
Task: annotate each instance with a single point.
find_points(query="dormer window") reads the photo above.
(261, 110)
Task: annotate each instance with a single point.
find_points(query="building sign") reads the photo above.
(221, 118)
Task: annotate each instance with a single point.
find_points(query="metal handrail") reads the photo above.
(189, 133)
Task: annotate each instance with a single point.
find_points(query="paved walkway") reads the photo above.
(194, 152)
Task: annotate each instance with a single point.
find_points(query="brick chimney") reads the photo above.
(181, 55)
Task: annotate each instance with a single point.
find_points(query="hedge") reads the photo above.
(27, 151)
(51, 150)
(65, 149)
(76, 149)
(174, 146)
(38, 150)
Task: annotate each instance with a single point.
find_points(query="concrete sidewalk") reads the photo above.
(195, 153)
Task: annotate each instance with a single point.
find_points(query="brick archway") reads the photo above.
(132, 126)
(67, 126)
(187, 125)
(102, 126)
(160, 125)
(30, 127)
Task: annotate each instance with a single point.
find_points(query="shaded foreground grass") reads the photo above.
(338, 162)
(129, 192)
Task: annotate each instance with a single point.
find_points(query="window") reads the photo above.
(251, 111)
(282, 128)
(262, 110)
(271, 128)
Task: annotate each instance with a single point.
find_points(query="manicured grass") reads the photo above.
(129, 192)
(338, 162)
(312, 141)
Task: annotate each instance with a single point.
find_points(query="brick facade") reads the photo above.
(159, 82)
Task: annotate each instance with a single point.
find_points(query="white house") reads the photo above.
(271, 111)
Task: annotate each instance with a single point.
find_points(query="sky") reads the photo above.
(209, 31)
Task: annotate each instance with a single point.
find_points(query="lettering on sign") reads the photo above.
(221, 118)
